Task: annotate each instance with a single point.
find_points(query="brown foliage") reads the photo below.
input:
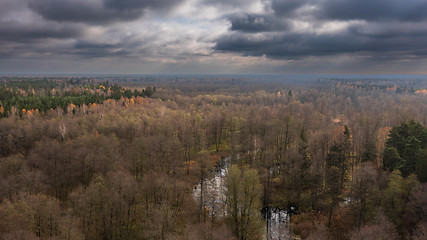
(381, 229)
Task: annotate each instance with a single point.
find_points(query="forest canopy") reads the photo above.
(212, 157)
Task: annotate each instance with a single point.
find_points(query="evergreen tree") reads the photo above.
(337, 164)
(404, 149)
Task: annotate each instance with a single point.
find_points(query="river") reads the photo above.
(276, 221)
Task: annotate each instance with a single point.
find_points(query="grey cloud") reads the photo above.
(97, 11)
(24, 35)
(370, 10)
(287, 7)
(388, 29)
(81, 11)
(29, 32)
(374, 10)
(286, 46)
(297, 45)
(131, 47)
(9, 6)
(228, 3)
(93, 45)
(102, 53)
(140, 4)
(256, 23)
(80, 50)
(92, 49)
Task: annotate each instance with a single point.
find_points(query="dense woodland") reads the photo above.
(118, 157)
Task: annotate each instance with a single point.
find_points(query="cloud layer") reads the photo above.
(232, 35)
(369, 28)
(97, 11)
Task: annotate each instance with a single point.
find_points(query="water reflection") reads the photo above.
(214, 199)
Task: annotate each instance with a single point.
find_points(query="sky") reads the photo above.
(214, 36)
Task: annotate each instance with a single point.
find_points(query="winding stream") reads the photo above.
(277, 221)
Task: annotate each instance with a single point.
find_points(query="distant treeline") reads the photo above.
(45, 94)
(410, 86)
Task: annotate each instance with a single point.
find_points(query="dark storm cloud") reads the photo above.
(227, 3)
(287, 7)
(288, 46)
(370, 10)
(386, 28)
(377, 30)
(256, 23)
(93, 45)
(140, 4)
(97, 11)
(7, 6)
(297, 45)
(27, 32)
(373, 10)
(101, 53)
(81, 11)
(131, 48)
(90, 49)
(388, 31)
